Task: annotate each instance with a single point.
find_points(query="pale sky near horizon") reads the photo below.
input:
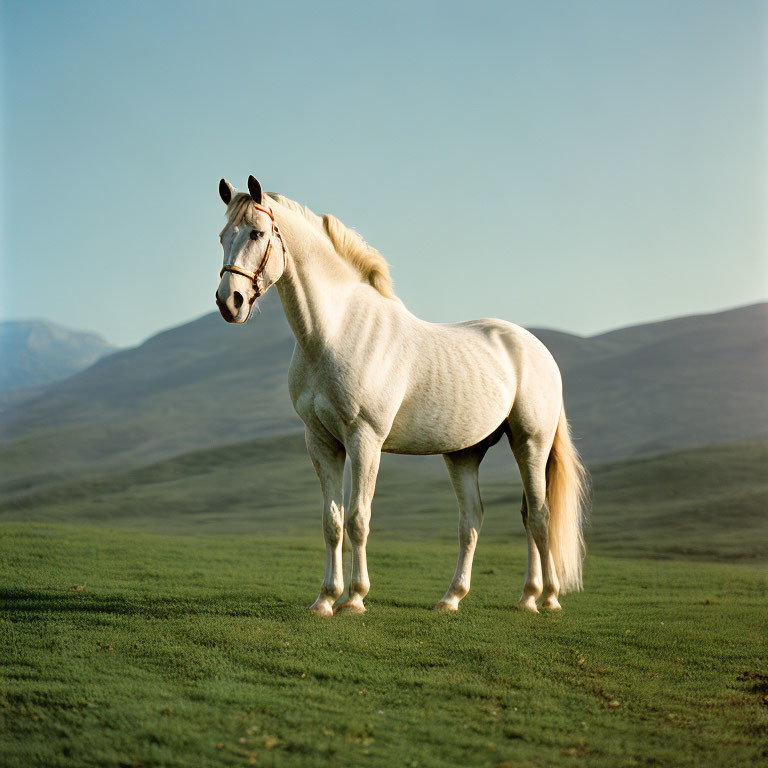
(573, 165)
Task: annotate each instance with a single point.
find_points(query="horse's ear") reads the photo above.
(225, 191)
(255, 189)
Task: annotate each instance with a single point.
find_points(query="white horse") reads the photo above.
(368, 376)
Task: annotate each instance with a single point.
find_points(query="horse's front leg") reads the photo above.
(328, 457)
(364, 455)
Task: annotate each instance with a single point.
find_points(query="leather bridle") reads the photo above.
(256, 277)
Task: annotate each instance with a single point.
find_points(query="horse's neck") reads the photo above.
(316, 284)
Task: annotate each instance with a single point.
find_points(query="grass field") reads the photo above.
(122, 648)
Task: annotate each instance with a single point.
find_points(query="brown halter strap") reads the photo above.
(255, 277)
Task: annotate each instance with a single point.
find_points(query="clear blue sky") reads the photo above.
(580, 165)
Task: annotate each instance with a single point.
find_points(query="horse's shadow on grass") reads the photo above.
(40, 601)
(268, 606)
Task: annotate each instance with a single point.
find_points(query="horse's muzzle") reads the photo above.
(224, 310)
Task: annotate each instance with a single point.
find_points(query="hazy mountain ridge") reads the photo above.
(35, 353)
(685, 382)
(638, 390)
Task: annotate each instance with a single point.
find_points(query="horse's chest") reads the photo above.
(325, 396)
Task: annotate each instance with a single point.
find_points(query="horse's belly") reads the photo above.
(440, 417)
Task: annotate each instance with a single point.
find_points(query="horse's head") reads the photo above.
(254, 251)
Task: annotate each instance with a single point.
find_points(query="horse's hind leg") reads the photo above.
(531, 456)
(533, 585)
(462, 468)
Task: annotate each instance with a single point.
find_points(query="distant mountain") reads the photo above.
(640, 390)
(36, 352)
(202, 384)
(685, 382)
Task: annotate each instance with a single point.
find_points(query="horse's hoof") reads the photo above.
(447, 607)
(322, 608)
(349, 607)
(551, 604)
(528, 604)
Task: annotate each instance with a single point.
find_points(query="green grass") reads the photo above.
(153, 614)
(122, 648)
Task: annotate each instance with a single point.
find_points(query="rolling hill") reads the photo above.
(631, 392)
(204, 383)
(704, 503)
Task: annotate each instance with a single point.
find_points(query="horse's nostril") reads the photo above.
(237, 298)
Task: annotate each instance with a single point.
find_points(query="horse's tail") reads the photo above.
(567, 497)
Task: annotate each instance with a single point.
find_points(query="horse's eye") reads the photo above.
(255, 234)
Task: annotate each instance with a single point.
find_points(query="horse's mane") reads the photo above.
(347, 243)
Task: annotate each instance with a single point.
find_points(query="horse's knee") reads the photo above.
(333, 524)
(358, 529)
